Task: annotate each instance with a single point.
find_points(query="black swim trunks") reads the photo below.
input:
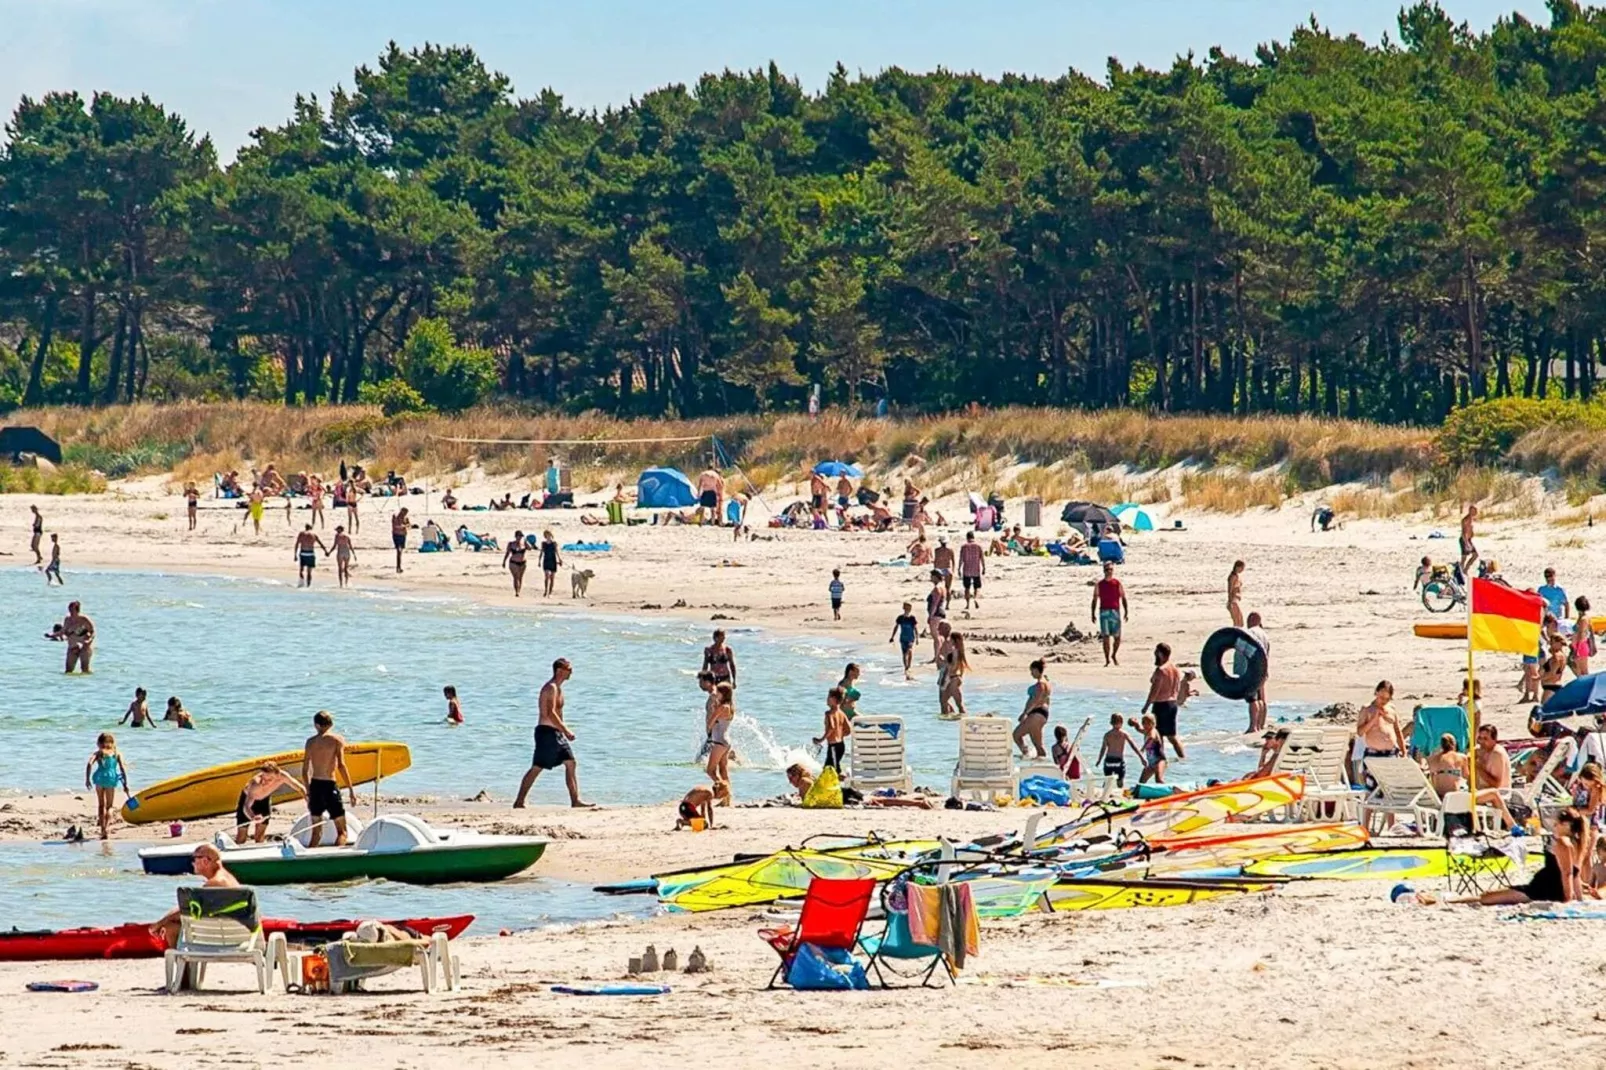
(709, 499)
(972, 583)
(261, 808)
(551, 749)
(308, 559)
(1165, 718)
(323, 797)
(399, 539)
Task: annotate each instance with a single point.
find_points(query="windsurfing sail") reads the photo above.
(783, 875)
(1100, 894)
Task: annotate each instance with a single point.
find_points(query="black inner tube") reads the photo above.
(1225, 643)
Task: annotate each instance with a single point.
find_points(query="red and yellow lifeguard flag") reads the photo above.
(1504, 619)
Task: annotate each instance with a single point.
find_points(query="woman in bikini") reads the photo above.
(954, 666)
(1447, 767)
(344, 552)
(513, 561)
(719, 660)
(850, 693)
(1553, 670)
(722, 711)
(1034, 718)
(1583, 637)
(1589, 799)
(315, 493)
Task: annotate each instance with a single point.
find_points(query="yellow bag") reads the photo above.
(825, 793)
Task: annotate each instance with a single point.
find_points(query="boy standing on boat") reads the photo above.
(552, 738)
(325, 758)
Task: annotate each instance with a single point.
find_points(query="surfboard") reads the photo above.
(215, 790)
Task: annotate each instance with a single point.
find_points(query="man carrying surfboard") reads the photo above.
(325, 758)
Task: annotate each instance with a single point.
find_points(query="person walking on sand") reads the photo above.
(80, 633)
(1109, 609)
(315, 494)
(550, 561)
(513, 561)
(1583, 641)
(344, 552)
(552, 739)
(398, 534)
(254, 509)
(192, 502)
(972, 567)
(721, 712)
(38, 534)
(942, 559)
(905, 629)
(1034, 718)
(1469, 548)
(1165, 693)
(352, 494)
(307, 547)
(1235, 593)
(322, 768)
(53, 570)
(104, 772)
(836, 590)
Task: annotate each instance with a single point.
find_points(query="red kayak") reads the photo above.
(136, 941)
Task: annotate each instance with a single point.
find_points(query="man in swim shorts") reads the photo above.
(307, 547)
(552, 739)
(972, 566)
(710, 489)
(1165, 692)
(325, 759)
(398, 534)
(942, 559)
(1108, 609)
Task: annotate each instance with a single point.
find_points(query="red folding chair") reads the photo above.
(833, 913)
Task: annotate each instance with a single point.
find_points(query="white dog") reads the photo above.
(579, 579)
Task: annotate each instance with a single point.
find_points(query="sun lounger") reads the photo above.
(1318, 755)
(986, 765)
(1402, 790)
(878, 755)
(353, 960)
(221, 925)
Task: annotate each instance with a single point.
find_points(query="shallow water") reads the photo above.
(51, 886)
(254, 660)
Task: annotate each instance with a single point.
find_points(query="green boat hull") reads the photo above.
(460, 865)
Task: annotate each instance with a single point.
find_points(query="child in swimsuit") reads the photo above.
(454, 709)
(1112, 752)
(697, 805)
(104, 772)
(1153, 752)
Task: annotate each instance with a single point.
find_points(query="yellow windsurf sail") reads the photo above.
(1120, 895)
(784, 875)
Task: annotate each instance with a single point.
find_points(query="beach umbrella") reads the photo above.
(838, 469)
(1133, 517)
(1587, 694)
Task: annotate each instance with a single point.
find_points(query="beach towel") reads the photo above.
(925, 914)
(961, 934)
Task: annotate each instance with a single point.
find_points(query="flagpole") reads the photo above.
(1472, 718)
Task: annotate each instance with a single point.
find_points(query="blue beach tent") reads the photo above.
(664, 488)
(837, 469)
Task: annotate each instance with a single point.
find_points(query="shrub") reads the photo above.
(393, 396)
(68, 479)
(1485, 431)
(450, 377)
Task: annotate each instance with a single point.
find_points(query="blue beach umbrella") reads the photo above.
(1587, 694)
(838, 469)
(1133, 517)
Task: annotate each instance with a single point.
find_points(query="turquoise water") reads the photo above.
(101, 884)
(253, 661)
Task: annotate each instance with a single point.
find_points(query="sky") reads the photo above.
(229, 66)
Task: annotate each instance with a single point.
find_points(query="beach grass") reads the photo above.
(67, 479)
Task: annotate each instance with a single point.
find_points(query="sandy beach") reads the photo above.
(1324, 974)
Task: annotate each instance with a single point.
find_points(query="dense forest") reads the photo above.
(1377, 231)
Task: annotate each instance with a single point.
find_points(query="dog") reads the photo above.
(579, 580)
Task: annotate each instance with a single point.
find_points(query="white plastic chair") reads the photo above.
(986, 763)
(1318, 755)
(1456, 803)
(208, 936)
(1402, 790)
(433, 957)
(879, 754)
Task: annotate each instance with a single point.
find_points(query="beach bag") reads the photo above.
(1046, 791)
(825, 793)
(825, 969)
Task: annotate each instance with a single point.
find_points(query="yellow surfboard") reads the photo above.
(209, 792)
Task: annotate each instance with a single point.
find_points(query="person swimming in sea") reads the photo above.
(139, 712)
(454, 708)
(178, 714)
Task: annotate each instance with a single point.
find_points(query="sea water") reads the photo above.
(63, 886)
(254, 660)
